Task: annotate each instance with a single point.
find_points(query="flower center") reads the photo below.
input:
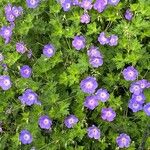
(131, 73)
(123, 140)
(6, 82)
(139, 98)
(67, 5)
(79, 42)
(136, 105)
(31, 97)
(108, 114)
(26, 137)
(91, 101)
(49, 51)
(32, 2)
(103, 95)
(26, 71)
(86, 3)
(89, 85)
(46, 121)
(71, 121)
(7, 32)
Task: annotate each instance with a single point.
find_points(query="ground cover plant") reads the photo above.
(74, 75)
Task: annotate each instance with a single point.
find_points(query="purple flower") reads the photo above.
(85, 18)
(25, 71)
(32, 3)
(1, 57)
(17, 11)
(49, 50)
(8, 8)
(91, 102)
(108, 114)
(100, 5)
(128, 15)
(20, 47)
(86, 4)
(70, 121)
(103, 39)
(94, 52)
(66, 5)
(113, 40)
(123, 140)
(5, 82)
(78, 42)
(89, 85)
(45, 122)
(102, 95)
(113, 2)
(135, 89)
(130, 73)
(6, 33)
(10, 17)
(135, 106)
(143, 83)
(25, 137)
(94, 132)
(29, 98)
(146, 109)
(75, 2)
(96, 62)
(139, 98)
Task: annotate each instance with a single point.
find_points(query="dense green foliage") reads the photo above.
(57, 80)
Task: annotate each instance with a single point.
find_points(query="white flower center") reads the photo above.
(139, 98)
(6, 82)
(91, 102)
(103, 95)
(135, 105)
(108, 113)
(32, 2)
(86, 3)
(68, 5)
(130, 73)
(136, 88)
(49, 51)
(46, 121)
(89, 85)
(31, 97)
(96, 60)
(79, 42)
(123, 140)
(26, 137)
(71, 121)
(7, 32)
(26, 71)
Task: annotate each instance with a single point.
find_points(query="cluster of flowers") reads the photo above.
(11, 13)
(25, 70)
(44, 122)
(138, 99)
(99, 5)
(89, 86)
(95, 57)
(111, 40)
